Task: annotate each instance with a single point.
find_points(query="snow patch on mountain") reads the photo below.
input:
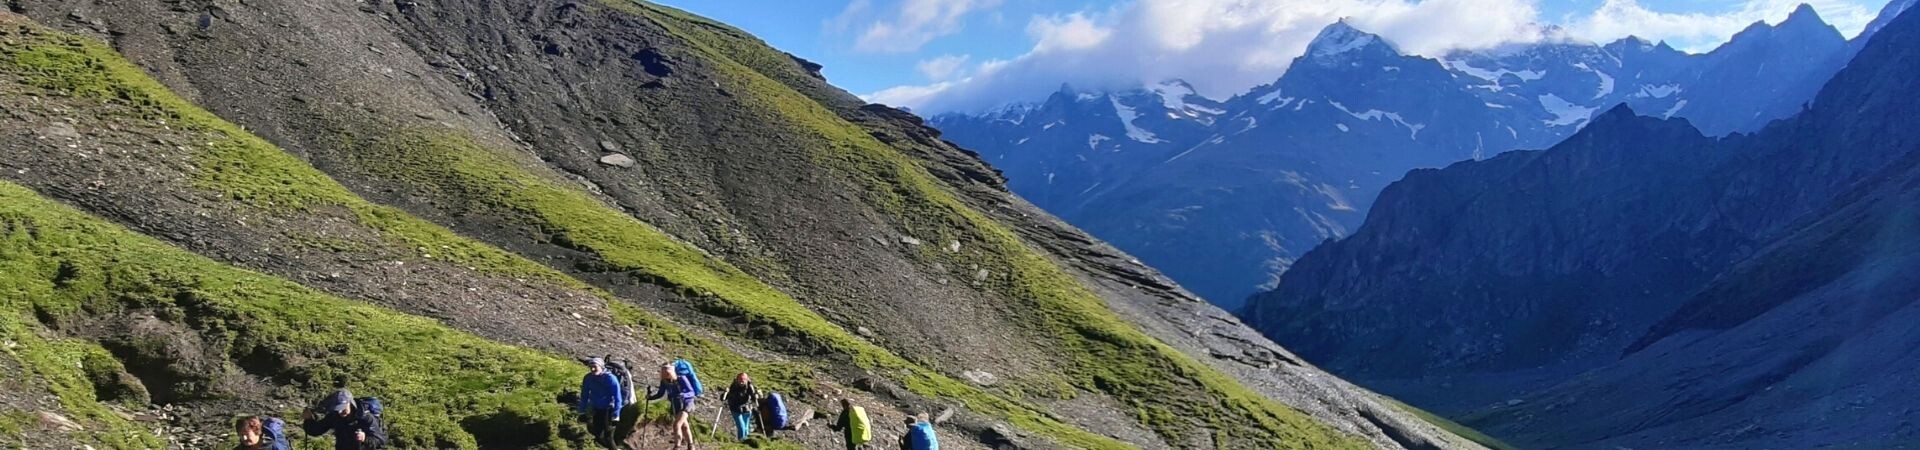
(1339, 38)
(1214, 140)
(1127, 114)
(1674, 110)
(1565, 112)
(1273, 96)
(1174, 94)
(1661, 91)
(1094, 140)
(1375, 114)
(1492, 76)
(1606, 81)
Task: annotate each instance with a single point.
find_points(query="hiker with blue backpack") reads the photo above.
(601, 398)
(679, 385)
(773, 414)
(355, 423)
(919, 435)
(261, 433)
(742, 398)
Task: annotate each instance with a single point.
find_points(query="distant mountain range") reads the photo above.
(1224, 196)
(1645, 285)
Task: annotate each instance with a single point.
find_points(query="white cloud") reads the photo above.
(1224, 47)
(1220, 46)
(943, 67)
(1070, 32)
(908, 27)
(1700, 32)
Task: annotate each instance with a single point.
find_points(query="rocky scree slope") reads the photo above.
(649, 182)
(1225, 195)
(1644, 286)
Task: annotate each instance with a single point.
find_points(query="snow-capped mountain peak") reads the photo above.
(1341, 38)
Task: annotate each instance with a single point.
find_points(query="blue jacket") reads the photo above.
(681, 390)
(601, 392)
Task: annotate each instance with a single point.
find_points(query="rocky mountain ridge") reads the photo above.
(1226, 196)
(1643, 285)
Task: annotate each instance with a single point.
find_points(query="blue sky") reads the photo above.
(936, 55)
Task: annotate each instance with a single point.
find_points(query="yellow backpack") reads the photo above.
(859, 428)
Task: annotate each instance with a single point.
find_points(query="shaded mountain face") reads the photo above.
(232, 207)
(1643, 286)
(1225, 197)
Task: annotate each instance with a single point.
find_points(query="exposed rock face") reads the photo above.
(1644, 286)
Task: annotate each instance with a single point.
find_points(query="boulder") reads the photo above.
(617, 160)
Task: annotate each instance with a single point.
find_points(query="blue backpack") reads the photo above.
(274, 431)
(921, 437)
(372, 405)
(685, 370)
(774, 409)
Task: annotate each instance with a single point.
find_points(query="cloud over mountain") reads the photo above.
(1224, 47)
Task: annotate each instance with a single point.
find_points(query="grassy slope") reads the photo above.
(479, 181)
(249, 169)
(60, 266)
(1108, 354)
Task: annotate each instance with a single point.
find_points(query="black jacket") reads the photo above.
(360, 419)
(742, 399)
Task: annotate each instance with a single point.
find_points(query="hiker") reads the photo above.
(773, 414)
(261, 433)
(919, 435)
(853, 421)
(742, 399)
(679, 393)
(355, 424)
(601, 398)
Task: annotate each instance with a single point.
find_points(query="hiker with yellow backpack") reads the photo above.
(853, 421)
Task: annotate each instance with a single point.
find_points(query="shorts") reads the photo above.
(679, 405)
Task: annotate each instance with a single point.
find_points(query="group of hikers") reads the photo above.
(606, 391)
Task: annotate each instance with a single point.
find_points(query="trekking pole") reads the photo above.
(715, 430)
(645, 407)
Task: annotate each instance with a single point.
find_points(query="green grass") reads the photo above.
(1106, 353)
(241, 166)
(476, 180)
(60, 363)
(248, 169)
(1453, 427)
(59, 266)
